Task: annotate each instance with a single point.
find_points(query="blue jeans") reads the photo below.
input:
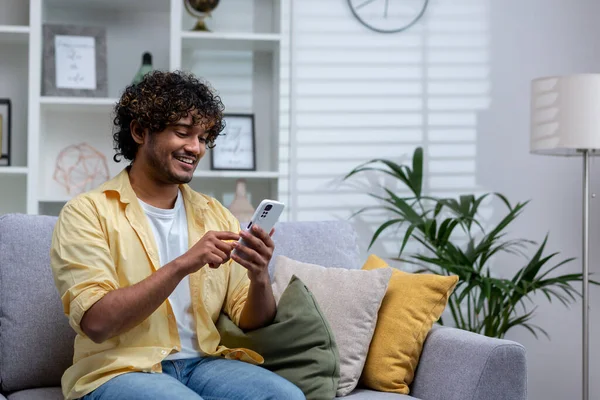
(206, 378)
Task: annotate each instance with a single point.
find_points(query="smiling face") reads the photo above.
(171, 156)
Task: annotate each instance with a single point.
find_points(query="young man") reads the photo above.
(144, 264)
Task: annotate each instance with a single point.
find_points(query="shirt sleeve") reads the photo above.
(81, 262)
(239, 283)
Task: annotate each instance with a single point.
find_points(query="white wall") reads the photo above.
(530, 39)
(476, 53)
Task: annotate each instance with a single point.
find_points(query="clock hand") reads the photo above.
(364, 4)
(387, 4)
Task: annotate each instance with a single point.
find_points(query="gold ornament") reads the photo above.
(200, 9)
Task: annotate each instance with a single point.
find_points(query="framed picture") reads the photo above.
(74, 61)
(235, 148)
(5, 131)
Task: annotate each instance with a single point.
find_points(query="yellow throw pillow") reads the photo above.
(412, 303)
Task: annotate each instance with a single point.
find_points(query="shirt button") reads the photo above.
(163, 352)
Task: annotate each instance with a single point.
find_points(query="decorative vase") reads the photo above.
(144, 68)
(241, 207)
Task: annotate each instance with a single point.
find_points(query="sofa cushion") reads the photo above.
(349, 299)
(364, 394)
(297, 240)
(47, 393)
(412, 303)
(36, 341)
(299, 345)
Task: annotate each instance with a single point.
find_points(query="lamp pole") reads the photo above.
(585, 282)
(565, 122)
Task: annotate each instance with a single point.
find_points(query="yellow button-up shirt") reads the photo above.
(103, 241)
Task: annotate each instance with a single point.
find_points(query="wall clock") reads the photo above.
(388, 16)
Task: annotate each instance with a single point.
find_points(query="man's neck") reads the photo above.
(150, 191)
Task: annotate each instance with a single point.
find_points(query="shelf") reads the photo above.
(113, 5)
(14, 33)
(54, 199)
(13, 170)
(69, 104)
(230, 41)
(237, 174)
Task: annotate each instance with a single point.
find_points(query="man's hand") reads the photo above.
(257, 253)
(260, 307)
(211, 249)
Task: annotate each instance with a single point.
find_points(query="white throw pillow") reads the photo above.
(350, 300)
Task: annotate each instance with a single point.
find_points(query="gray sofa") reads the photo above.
(36, 342)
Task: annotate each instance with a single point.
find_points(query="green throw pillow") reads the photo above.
(298, 345)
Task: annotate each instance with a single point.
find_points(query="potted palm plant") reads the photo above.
(454, 241)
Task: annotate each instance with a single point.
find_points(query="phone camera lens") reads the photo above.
(268, 207)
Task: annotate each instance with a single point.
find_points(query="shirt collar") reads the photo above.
(122, 186)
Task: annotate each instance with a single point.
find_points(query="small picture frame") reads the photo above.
(235, 148)
(5, 132)
(74, 61)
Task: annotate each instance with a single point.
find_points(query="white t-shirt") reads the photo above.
(171, 235)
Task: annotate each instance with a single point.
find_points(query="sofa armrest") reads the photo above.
(460, 365)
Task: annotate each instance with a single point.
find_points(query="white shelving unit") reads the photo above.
(14, 33)
(14, 77)
(232, 41)
(240, 58)
(237, 174)
(14, 171)
(77, 103)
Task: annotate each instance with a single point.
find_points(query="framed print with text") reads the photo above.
(74, 61)
(235, 147)
(5, 131)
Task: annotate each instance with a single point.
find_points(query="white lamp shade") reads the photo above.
(565, 114)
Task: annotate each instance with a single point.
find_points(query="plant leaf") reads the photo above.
(407, 236)
(382, 228)
(417, 172)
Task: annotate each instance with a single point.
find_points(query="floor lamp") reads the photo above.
(565, 121)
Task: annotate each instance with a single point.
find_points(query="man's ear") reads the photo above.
(137, 132)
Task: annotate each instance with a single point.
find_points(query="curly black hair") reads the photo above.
(161, 99)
